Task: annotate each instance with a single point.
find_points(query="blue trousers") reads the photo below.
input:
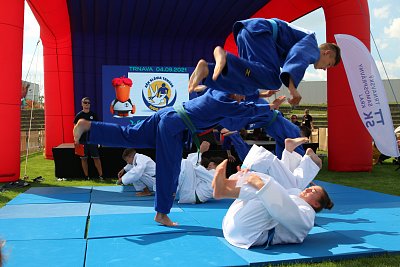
(257, 67)
(162, 131)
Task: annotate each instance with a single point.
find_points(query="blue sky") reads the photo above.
(385, 28)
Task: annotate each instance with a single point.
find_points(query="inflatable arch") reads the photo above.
(80, 36)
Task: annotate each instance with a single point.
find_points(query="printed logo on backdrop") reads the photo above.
(158, 92)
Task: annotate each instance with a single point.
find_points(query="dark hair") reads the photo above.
(305, 131)
(324, 202)
(127, 152)
(217, 160)
(204, 162)
(333, 47)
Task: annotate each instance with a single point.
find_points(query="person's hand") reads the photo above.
(244, 170)
(267, 93)
(255, 181)
(119, 182)
(295, 97)
(120, 173)
(231, 158)
(226, 132)
(204, 146)
(278, 102)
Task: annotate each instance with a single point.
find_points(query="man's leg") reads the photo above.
(97, 164)
(169, 157)
(220, 61)
(85, 168)
(187, 183)
(224, 188)
(81, 127)
(292, 143)
(314, 157)
(290, 158)
(200, 72)
(94, 153)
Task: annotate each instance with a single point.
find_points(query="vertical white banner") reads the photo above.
(368, 93)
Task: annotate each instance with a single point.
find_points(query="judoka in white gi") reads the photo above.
(270, 206)
(194, 185)
(140, 171)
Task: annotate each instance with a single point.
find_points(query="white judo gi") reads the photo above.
(194, 180)
(141, 173)
(277, 204)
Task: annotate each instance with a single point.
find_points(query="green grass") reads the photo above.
(38, 166)
(383, 178)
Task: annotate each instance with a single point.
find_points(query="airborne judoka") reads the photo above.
(265, 46)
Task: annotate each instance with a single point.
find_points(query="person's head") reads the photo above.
(293, 118)
(317, 198)
(85, 103)
(128, 155)
(214, 162)
(329, 56)
(307, 111)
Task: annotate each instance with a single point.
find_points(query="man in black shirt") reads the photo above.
(308, 120)
(89, 150)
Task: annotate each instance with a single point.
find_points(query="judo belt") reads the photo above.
(273, 118)
(274, 29)
(271, 233)
(183, 115)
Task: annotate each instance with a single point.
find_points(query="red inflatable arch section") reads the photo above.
(349, 143)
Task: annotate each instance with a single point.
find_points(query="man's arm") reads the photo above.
(295, 95)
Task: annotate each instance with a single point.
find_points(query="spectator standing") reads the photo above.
(90, 150)
(308, 119)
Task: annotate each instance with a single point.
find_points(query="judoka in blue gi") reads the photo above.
(265, 46)
(276, 126)
(164, 131)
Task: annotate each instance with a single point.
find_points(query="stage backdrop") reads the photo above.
(153, 88)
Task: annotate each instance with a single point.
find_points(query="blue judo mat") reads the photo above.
(110, 226)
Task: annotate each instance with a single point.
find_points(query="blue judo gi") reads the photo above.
(276, 126)
(261, 57)
(164, 132)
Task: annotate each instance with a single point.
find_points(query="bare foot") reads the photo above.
(81, 126)
(200, 72)
(220, 61)
(219, 180)
(278, 102)
(314, 157)
(164, 219)
(292, 143)
(144, 193)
